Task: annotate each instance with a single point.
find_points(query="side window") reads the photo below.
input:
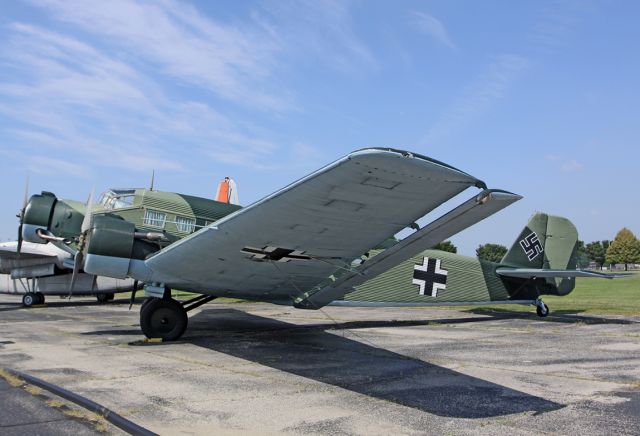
(185, 224)
(154, 218)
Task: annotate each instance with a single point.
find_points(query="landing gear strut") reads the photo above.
(166, 318)
(541, 308)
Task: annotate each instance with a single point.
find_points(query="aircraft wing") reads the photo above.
(30, 257)
(290, 241)
(468, 213)
(532, 272)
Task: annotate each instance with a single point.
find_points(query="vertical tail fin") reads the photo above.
(547, 242)
(227, 191)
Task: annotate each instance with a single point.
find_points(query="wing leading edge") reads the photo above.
(290, 241)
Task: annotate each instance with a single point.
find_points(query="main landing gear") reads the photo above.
(166, 318)
(103, 298)
(31, 298)
(541, 308)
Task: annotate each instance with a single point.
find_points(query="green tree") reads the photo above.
(582, 255)
(446, 246)
(625, 248)
(596, 251)
(491, 252)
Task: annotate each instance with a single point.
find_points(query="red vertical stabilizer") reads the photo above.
(227, 191)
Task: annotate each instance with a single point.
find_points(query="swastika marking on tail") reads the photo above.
(531, 246)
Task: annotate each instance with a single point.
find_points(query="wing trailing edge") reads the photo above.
(468, 213)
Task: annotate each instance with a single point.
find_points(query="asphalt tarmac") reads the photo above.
(260, 368)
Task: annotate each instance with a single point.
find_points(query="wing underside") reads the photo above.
(290, 241)
(30, 257)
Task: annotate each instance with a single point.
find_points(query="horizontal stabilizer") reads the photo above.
(467, 214)
(533, 272)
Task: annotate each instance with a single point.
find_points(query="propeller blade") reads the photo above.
(26, 195)
(25, 201)
(19, 239)
(77, 264)
(88, 216)
(133, 293)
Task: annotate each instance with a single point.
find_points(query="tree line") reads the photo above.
(624, 249)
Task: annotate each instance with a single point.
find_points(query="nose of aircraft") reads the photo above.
(46, 218)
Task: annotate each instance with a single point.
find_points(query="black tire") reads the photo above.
(163, 318)
(110, 297)
(102, 298)
(542, 312)
(40, 298)
(145, 302)
(29, 299)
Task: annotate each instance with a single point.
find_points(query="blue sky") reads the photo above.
(536, 97)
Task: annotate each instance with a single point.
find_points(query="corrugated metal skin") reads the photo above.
(165, 202)
(202, 209)
(468, 280)
(208, 209)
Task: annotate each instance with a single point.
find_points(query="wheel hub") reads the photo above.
(163, 320)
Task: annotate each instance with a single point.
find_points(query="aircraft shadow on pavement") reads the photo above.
(316, 354)
(564, 316)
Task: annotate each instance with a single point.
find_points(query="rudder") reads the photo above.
(547, 242)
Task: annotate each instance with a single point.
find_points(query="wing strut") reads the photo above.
(468, 213)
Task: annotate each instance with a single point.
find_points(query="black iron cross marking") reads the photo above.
(276, 254)
(429, 276)
(531, 246)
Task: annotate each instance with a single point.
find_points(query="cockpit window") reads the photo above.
(117, 198)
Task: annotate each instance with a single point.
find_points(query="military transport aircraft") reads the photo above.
(35, 270)
(41, 270)
(308, 244)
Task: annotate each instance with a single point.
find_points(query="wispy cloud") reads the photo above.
(51, 166)
(128, 84)
(229, 60)
(479, 96)
(557, 26)
(65, 93)
(431, 26)
(552, 32)
(571, 166)
(567, 166)
(319, 33)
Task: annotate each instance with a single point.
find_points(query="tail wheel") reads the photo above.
(163, 318)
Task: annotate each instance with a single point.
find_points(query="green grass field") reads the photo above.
(592, 296)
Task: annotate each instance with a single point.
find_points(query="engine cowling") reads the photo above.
(112, 244)
(45, 212)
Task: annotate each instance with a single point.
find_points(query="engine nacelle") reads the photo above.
(112, 244)
(45, 212)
